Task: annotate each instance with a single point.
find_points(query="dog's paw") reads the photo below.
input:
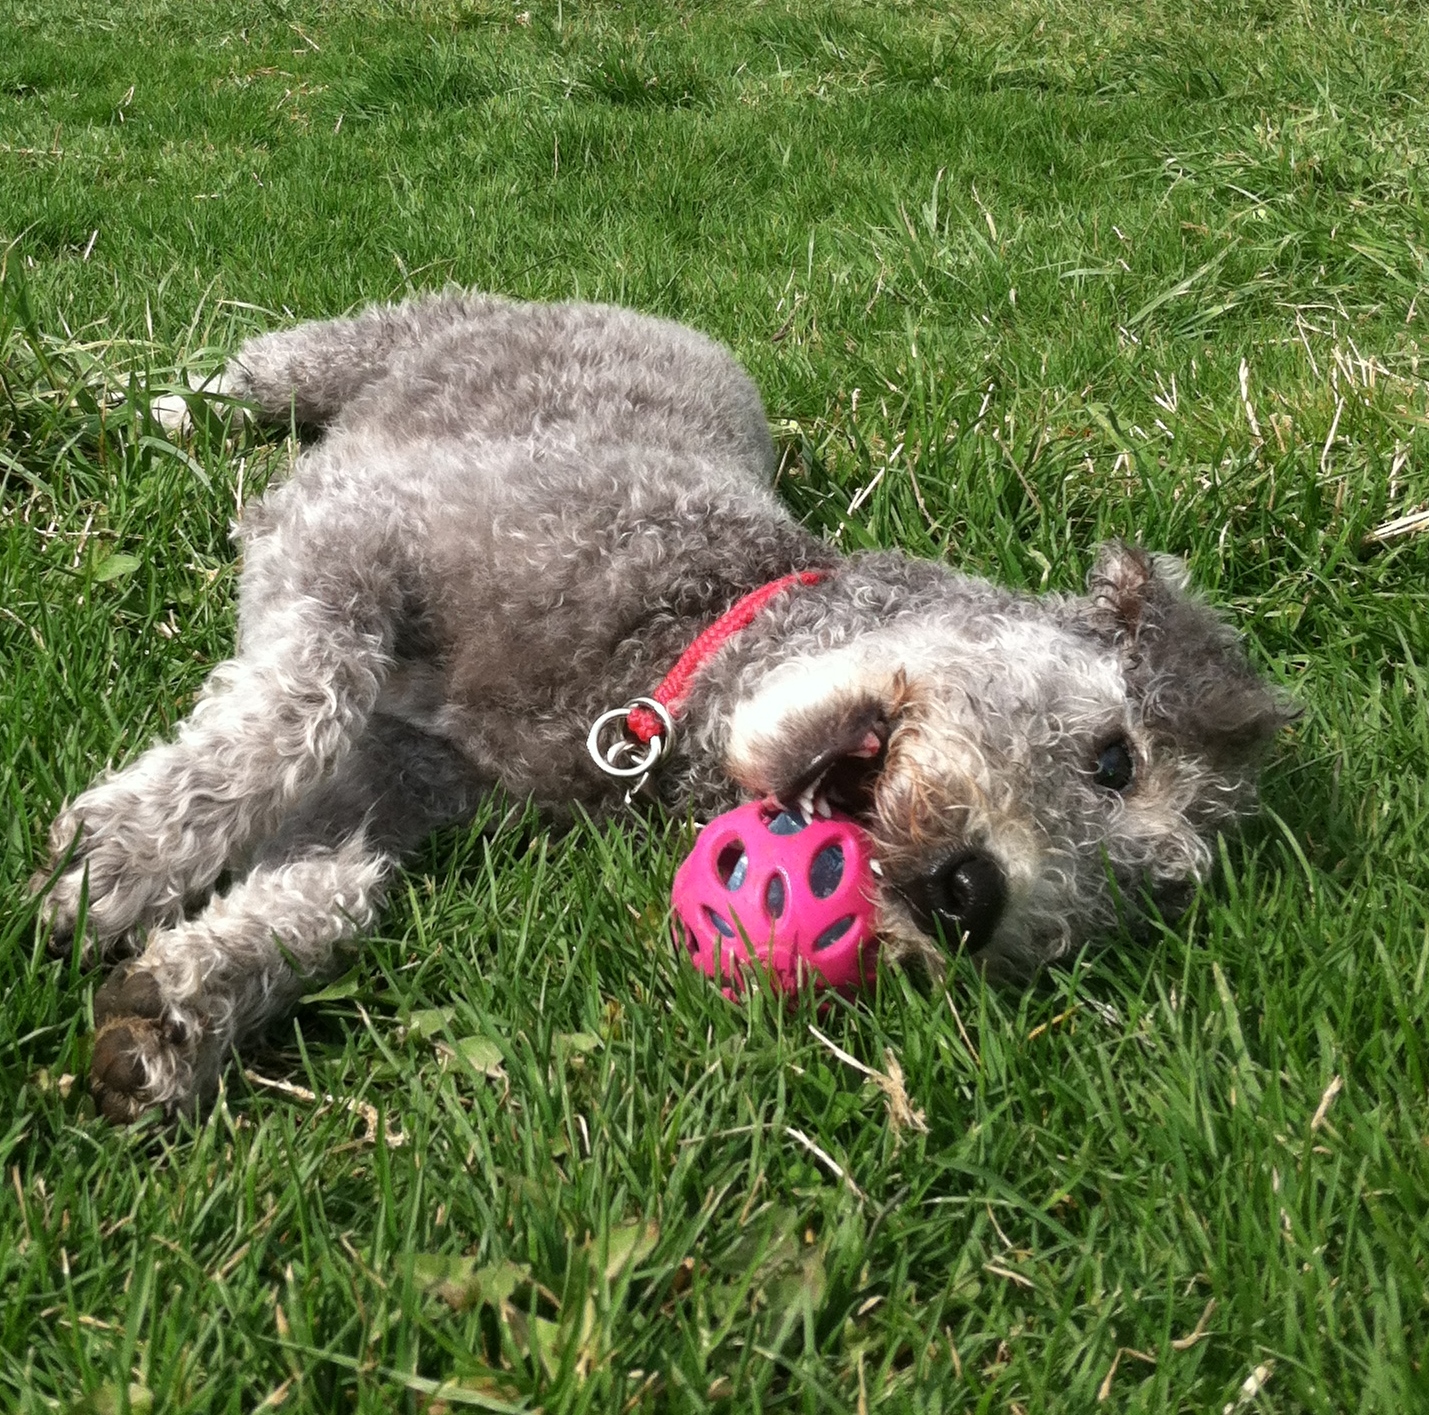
(62, 884)
(65, 890)
(91, 865)
(146, 1054)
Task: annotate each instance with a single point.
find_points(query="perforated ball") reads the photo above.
(765, 886)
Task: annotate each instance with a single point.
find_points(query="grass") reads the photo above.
(1013, 277)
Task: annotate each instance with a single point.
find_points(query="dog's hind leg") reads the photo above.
(167, 1020)
(269, 725)
(309, 374)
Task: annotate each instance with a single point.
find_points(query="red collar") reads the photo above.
(649, 723)
(644, 723)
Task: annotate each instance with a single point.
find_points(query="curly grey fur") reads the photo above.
(520, 515)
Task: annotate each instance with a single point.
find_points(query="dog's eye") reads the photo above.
(1115, 766)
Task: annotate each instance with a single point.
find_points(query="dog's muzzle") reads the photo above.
(963, 898)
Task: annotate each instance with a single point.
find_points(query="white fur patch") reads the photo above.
(931, 653)
(806, 685)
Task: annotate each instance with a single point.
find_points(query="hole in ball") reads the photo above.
(827, 871)
(722, 924)
(774, 896)
(732, 865)
(833, 933)
(787, 822)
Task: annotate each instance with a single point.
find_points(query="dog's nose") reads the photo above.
(965, 896)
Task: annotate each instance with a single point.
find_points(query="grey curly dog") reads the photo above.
(517, 517)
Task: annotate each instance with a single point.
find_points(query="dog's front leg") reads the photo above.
(270, 724)
(166, 1021)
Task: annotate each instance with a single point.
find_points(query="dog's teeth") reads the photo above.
(823, 808)
(877, 867)
(806, 803)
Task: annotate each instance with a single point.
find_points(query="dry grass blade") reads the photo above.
(1104, 1390)
(364, 1110)
(1416, 523)
(1250, 1387)
(1198, 1332)
(1326, 1101)
(1021, 1279)
(901, 1113)
(825, 1158)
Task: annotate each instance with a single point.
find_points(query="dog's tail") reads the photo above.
(309, 374)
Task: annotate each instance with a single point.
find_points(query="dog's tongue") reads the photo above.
(871, 746)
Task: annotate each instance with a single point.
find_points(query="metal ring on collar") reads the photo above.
(655, 748)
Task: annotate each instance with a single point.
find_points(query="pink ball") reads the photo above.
(795, 896)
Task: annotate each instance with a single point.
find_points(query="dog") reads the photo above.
(516, 517)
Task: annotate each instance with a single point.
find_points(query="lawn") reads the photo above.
(1013, 277)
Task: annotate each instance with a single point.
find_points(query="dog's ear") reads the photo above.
(825, 723)
(1181, 660)
(1125, 582)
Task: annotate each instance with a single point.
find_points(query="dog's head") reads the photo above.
(1023, 763)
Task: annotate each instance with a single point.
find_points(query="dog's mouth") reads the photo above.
(842, 777)
(960, 900)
